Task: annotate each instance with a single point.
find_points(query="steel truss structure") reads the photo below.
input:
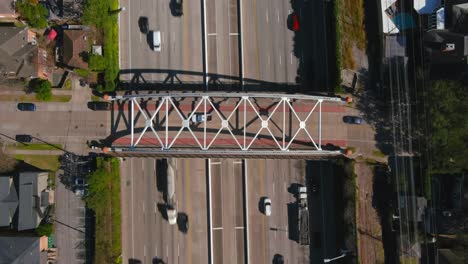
(204, 104)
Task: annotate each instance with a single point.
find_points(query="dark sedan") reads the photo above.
(355, 120)
(23, 138)
(26, 107)
(99, 106)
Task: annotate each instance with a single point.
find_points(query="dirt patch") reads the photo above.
(369, 230)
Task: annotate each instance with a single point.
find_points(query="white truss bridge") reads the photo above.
(244, 140)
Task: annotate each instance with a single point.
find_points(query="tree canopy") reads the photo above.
(448, 123)
(35, 13)
(42, 88)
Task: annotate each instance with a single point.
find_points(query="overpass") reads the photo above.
(239, 125)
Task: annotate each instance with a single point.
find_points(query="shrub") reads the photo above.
(67, 85)
(97, 63)
(82, 72)
(34, 13)
(45, 229)
(42, 88)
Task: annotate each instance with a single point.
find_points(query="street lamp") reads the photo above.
(343, 254)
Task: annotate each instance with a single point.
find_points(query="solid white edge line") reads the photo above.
(242, 45)
(247, 212)
(206, 44)
(210, 215)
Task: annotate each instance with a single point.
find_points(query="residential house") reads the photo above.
(75, 46)
(7, 10)
(8, 200)
(23, 200)
(18, 53)
(33, 199)
(19, 250)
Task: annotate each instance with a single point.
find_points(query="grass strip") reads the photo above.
(44, 162)
(37, 146)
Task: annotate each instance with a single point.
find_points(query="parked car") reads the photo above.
(99, 106)
(26, 107)
(23, 138)
(143, 23)
(353, 120)
(80, 182)
(267, 206)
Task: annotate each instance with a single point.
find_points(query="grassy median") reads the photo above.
(104, 200)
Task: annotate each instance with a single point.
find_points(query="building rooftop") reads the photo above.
(18, 53)
(8, 200)
(31, 186)
(74, 43)
(20, 250)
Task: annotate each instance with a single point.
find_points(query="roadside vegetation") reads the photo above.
(33, 12)
(347, 200)
(102, 14)
(351, 19)
(448, 126)
(336, 80)
(104, 200)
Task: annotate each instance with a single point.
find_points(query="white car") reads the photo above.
(267, 206)
(156, 40)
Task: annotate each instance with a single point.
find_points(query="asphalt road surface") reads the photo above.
(55, 123)
(146, 234)
(181, 41)
(227, 211)
(269, 235)
(267, 42)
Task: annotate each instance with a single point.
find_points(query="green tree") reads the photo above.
(33, 12)
(42, 88)
(448, 126)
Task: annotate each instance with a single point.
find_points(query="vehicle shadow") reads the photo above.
(293, 230)
(382, 201)
(134, 261)
(172, 80)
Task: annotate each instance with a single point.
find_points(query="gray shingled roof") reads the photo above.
(8, 200)
(31, 184)
(19, 250)
(16, 54)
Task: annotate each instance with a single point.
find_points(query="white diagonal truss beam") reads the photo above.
(204, 104)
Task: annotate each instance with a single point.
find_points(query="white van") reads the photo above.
(156, 40)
